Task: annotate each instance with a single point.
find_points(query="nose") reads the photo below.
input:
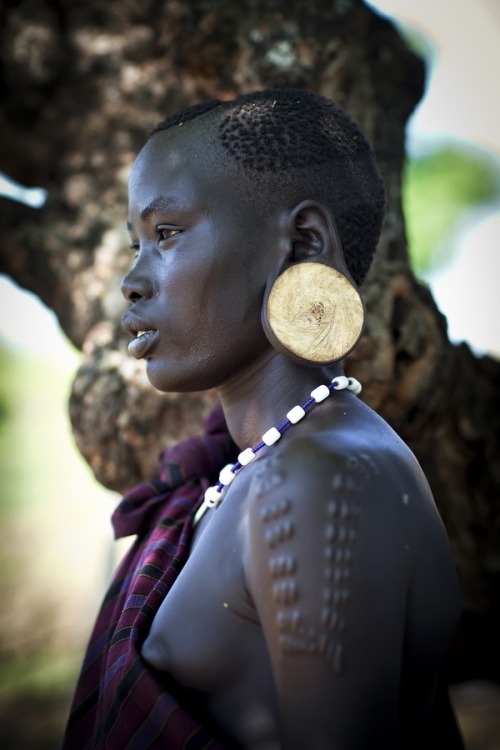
(136, 285)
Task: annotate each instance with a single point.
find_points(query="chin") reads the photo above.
(182, 380)
(161, 382)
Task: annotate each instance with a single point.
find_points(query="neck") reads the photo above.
(258, 398)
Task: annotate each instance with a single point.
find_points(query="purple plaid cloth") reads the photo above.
(120, 702)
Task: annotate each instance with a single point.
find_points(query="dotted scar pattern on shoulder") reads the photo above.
(321, 631)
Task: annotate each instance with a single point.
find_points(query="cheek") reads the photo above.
(239, 303)
(247, 275)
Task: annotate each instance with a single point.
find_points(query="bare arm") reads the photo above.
(328, 565)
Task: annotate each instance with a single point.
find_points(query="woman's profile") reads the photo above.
(291, 584)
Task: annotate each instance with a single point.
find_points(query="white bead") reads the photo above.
(200, 513)
(320, 393)
(354, 386)
(296, 414)
(340, 383)
(226, 475)
(247, 456)
(213, 496)
(271, 436)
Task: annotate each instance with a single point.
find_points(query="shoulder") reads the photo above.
(324, 490)
(344, 519)
(330, 599)
(344, 474)
(324, 508)
(343, 548)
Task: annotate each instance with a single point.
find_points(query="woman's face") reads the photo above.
(203, 258)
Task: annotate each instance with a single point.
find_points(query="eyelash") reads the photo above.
(160, 230)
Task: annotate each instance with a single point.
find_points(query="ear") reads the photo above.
(312, 311)
(312, 234)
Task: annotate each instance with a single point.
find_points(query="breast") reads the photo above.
(207, 637)
(206, 632)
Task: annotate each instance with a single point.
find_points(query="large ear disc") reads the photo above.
(313, 313)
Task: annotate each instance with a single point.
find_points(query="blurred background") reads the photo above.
(56, 549)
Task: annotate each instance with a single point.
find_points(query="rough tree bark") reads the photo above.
(82, 84)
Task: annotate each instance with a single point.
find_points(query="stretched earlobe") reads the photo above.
(313, 313)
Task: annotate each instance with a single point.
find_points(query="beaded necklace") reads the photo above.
(214, 494)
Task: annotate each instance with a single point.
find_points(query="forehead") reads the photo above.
(186, 163)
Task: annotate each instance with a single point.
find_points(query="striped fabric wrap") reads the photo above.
(120, 702)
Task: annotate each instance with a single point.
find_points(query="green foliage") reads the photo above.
(9, 446)
(437, 189)
(45, 559)
(4, 399)
(28, 387)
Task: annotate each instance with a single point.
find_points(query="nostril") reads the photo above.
(135, 287)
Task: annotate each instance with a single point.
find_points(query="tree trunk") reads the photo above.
(83, 83)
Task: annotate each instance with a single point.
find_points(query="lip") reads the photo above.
(140, 344)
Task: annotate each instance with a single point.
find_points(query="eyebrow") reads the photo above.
(162, 203)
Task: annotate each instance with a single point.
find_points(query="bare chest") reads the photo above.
(207, 636)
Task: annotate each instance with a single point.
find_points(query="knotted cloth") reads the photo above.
(120, 702)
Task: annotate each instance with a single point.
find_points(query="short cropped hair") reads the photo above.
(302, 145)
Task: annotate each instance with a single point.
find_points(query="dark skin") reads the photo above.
(320, 598)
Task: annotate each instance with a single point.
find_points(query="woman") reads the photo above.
(307, 597)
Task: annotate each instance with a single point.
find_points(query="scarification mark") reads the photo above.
(300, 630)
(337, 482)
(275, 509)
(268, 476)
(340, 535)
(282, 565)
(370, 464)
(329, 552)
(285, 592)
(279, 533)
(276, 478)
(290, 622)
(333, 621)
(333, 652)
(294, 645)
(296, 621)
(330, 532)
(266, 483)
(362, 465)
(282, 620)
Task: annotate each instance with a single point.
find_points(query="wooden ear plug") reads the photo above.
(314, 312)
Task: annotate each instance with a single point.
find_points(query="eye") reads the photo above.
(166, 232)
